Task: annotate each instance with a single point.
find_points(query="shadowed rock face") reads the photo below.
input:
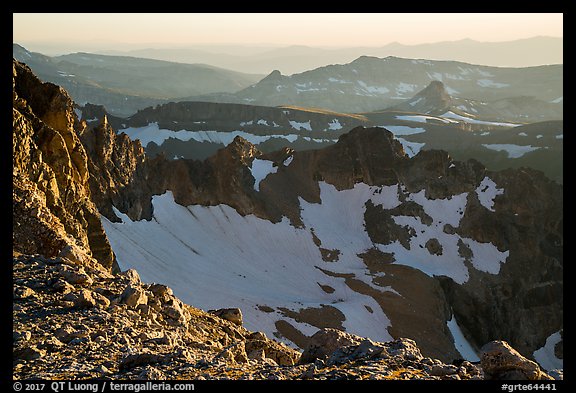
(521, 303)
(50, 174)
(60, 167)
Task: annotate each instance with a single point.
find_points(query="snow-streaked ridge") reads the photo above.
(252, 261)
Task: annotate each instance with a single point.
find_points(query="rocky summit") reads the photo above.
(79, 311)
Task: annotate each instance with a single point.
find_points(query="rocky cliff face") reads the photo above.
(50, 175)
(516, 213)
(75, 316)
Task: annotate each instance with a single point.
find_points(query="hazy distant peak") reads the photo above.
(274, 75)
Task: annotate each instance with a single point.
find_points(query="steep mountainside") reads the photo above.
(320, 249)
(337, 237)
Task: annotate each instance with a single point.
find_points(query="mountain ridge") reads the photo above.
(152, 334)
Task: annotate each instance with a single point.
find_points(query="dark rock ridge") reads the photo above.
(434, 99)
(260, 120)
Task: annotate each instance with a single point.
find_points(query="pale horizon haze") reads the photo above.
(54, 33)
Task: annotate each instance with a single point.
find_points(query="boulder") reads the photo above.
(325, 341)
(233, 315)
(81, 299)
(133, 296)
(502, 362)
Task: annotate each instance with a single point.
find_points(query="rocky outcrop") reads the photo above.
(51, 197)
(118, 172)
(500, 361)
(102, 325)
(434, 99)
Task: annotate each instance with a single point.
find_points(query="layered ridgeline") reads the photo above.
(342, 222)
(431, 119)
(428, 257)
(372, 83)
(125, 84)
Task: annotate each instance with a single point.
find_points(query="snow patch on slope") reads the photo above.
(546, 357)
(260, 169)
(404, 130)
(487, 191)
(513, 151)
(300, 125)
(249, 260)
(486, 257)
(153, 133)
(460, 342)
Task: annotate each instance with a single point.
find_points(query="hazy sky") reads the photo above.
(125, 31)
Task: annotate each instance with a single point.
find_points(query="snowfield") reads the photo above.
(153, 133)
(513, 151)
(546, 357)
(212, 257)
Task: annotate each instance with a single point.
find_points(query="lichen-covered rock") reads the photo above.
(500, 361)
(233, 315)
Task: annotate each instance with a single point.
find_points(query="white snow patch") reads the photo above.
(453, 115)
(335, 125)
(300, 125)
(450, 90)
(559, 136)
(490, 83)
(522, 134)
(546, 357)
(435, 76)
(404, 88)
(558, 100)
(423, 118)
(483, 73)
(460, 342)
(485, 133)
(486, 257)
(260, 169)
(487, 191)
(514, 151)
(415, 102)
(246, 123)
(411, 148)
(262, 122)
(373, 89)
(539, 136)
(251, 261)
(404, 130)
(152, 133)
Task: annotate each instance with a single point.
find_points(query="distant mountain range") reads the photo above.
(299, 58)
(125, 84)
(372, 83)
